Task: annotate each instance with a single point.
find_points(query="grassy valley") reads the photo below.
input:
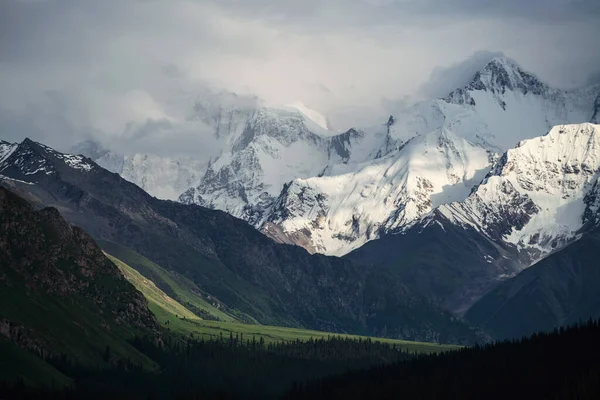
(177, 319)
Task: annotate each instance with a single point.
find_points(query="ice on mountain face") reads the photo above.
(537, 197)
(353, 203)
(162, 177)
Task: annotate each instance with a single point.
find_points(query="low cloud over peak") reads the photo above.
(74, 68)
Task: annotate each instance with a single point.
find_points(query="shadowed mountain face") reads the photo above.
(449, 264)
(226, 257)
(58, 288)
(560, 290)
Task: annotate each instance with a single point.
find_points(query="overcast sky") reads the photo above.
(71, 68)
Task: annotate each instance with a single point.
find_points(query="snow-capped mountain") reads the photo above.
(435, 153)
(539, 198)
(272, 147)
(23, 158)
(283, 171)
(536, 197)
(355, 201)
(264, 147)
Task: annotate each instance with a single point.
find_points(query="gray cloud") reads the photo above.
(444, 80)
(75, 68)
(165, 138)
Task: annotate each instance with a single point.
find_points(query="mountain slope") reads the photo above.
(227, 258)
(60, 294)
(451, 265)
(175, 285)
(156, 297)
(560, 290)
(18, 365)
(180, 320)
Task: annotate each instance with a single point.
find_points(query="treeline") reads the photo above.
(563, 364)
(225, 367)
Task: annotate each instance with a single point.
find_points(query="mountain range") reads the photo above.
(331, 192)
(228, 260)
(455, 211)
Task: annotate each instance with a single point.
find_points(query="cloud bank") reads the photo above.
(71, 69)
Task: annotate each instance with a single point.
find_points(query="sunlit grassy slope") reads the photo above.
(174, 285)
(178, 319)
(157, 299)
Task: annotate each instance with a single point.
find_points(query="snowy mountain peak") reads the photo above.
(499, 76)
(536, 198)
(282, 170)
(503, 74)
(33, 158)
